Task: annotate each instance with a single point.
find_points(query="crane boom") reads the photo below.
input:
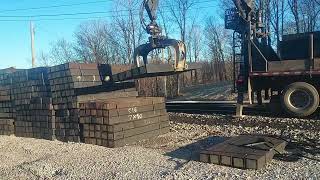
(152, 7)
(244, 6)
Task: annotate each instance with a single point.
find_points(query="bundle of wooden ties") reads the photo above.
(116, 122)
(6, 110)
(31, 97)
(72, 102)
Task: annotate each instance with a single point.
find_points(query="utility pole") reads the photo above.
(33, 55)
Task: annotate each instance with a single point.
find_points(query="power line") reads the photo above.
(56, 19)
(74, 4)
(79, 13)
(54, 6)
(75, 18)
(55, 15)
(67, 14)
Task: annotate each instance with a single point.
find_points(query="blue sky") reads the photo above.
(15, 33)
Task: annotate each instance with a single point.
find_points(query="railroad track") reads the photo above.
(207, 107)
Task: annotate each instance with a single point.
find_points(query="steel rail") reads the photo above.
(216, 107)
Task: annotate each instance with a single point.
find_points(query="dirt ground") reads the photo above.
(208, 92)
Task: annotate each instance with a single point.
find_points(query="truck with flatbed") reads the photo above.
(290, 78)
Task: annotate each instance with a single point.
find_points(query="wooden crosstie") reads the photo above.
(245, 151)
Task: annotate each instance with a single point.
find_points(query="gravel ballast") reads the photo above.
(171, 156)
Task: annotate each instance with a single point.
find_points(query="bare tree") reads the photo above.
(44, 59)
(130, 33)
(305, 13)
(310, 12)
(116, 55)
(180, 10)
(277, 19)
(215, 49)
(294, 7)
(195, 47)
(196, 42)
(165, 23)
(61, 52)
(92, 42)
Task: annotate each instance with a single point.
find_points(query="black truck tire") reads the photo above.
(300, 99)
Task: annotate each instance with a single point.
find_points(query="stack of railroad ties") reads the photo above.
(116, 122)
(72, 102)
(31, 98)
(6, 109)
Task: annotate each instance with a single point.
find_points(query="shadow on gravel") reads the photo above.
(191, 151)
(296, 150)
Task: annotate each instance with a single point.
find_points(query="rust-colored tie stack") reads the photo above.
(121, 121)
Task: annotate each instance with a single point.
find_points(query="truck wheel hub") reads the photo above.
(300, 99)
